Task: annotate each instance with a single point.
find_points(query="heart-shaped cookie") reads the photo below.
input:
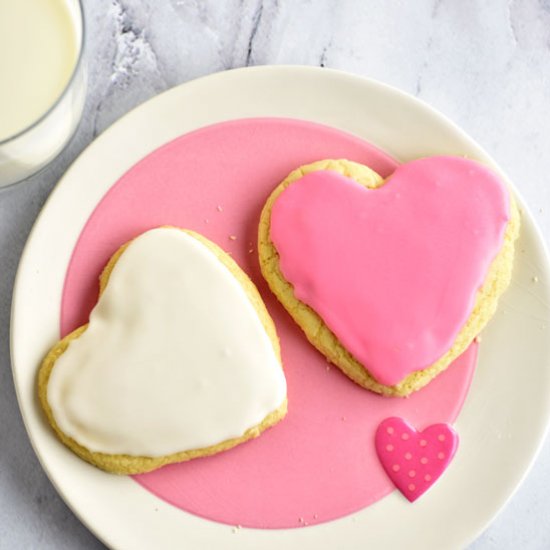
(180, 359)
(414, 460)
(391, 280)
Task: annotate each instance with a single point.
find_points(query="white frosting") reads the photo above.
(175, 356)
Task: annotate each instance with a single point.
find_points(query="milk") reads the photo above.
(39, 51)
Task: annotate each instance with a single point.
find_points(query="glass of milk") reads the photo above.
(42, 82)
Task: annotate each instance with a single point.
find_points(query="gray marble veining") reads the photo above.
(486, 65)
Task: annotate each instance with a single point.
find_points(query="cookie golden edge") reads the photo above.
(322, 338)
(128, 464)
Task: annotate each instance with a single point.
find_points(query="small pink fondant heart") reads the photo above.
(414, 460)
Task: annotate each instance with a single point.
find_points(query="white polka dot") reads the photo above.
(441, 437)
(396, 467)
(408, 456)
(412, 486)
(389, 429)
(405, 436)
(412, 473)
(441, 456)
(428, 477)
(423, 460)
(423, 442)
(389, 448)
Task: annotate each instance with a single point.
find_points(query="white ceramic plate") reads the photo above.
(504, 419)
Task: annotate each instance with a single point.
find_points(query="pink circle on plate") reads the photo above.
(320, 462)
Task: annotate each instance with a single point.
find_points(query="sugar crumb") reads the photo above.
(535, 279)
(233, 237)
(477, 339)
(251, 250)
(315, 516)
(219, 208)
(206, 220)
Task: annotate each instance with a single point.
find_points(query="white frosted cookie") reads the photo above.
(180, 359)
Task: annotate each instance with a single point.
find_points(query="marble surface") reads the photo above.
(485, 64)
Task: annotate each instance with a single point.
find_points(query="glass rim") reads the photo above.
(63, 94)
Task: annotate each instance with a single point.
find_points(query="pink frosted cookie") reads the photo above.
(390, 279)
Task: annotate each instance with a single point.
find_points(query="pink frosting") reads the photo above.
(394, 271)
